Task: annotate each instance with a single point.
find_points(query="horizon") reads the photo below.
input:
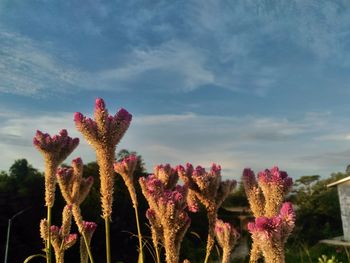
(250, 84)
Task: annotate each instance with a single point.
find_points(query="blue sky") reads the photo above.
(242, 83)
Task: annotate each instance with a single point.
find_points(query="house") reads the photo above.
(343, 187)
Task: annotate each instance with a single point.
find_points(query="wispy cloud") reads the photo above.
(28, 68)
(233, 141)
(176, 65)
(18, 130)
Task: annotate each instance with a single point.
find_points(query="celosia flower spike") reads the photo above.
(66, 221)
(88, 229)
(126, 169)
(77, 165)
(208, 188)
(167, 201)
(103, 134)
(227, 237)
(61, 243)
(275, 184)
(254, 194)
(55, 150)
(85, 187)
(274, 220)
(167, 175)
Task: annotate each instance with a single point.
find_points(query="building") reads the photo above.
(343, 187)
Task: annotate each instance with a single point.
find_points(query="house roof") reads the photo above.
(339, 182)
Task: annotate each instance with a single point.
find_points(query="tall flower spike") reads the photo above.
(167, 175)
(103, 134)
(65, 182)
(271, 233)
(89, 229)
(274, 221)
(54, 150)
(169, 221)
(66, 221)
(43, 229)
(208, 188)
(227, 237)
(126, 169)
(275, 184)
(61, 243)
(254, 194)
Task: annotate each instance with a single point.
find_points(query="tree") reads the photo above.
(318, 211)
(306, 182)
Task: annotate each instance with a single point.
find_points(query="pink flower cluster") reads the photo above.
(271, 233)
(274, 220)
(126, 166)
(60, 145)
(207, 188)
(55, 150)
(276, 177)
(103, 134)
(113, 127)
(126, 169)
(167, 215)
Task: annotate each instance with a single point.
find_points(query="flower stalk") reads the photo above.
(274, 220)
(103, 134)
(126, 169)
(55, 150)
(167, 216)
(207, 188)
(74, 189)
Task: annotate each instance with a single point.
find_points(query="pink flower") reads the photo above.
(64, 174)
(275, 176)
(77, 161)
(89, 227)
(114, 126)
(153, 184)
(99, 105)
(199, 171)
(126, 167)
(265, 227)
(61, 145)
(54, 229)
(167, 175)
(123, 115)
(248, 178)
(215, 169)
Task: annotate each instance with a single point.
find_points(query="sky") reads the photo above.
(252, 83)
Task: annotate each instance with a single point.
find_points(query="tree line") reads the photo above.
(22, 188)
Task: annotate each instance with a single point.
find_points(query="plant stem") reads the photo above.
(48, 243)
(88, 248)
(226, 255)
(108, 241)
(157, 254)
(33, 256)
(211, 224)
(140, 259)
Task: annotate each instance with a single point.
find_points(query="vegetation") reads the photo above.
(22, 187)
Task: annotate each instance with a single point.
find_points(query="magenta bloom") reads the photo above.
(111, 127)
(60, 146)
(275, 176)
(89, 227)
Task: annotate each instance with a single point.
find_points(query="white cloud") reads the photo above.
(175, 60)
(28, 68)
(17, 132)
(235, 142)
